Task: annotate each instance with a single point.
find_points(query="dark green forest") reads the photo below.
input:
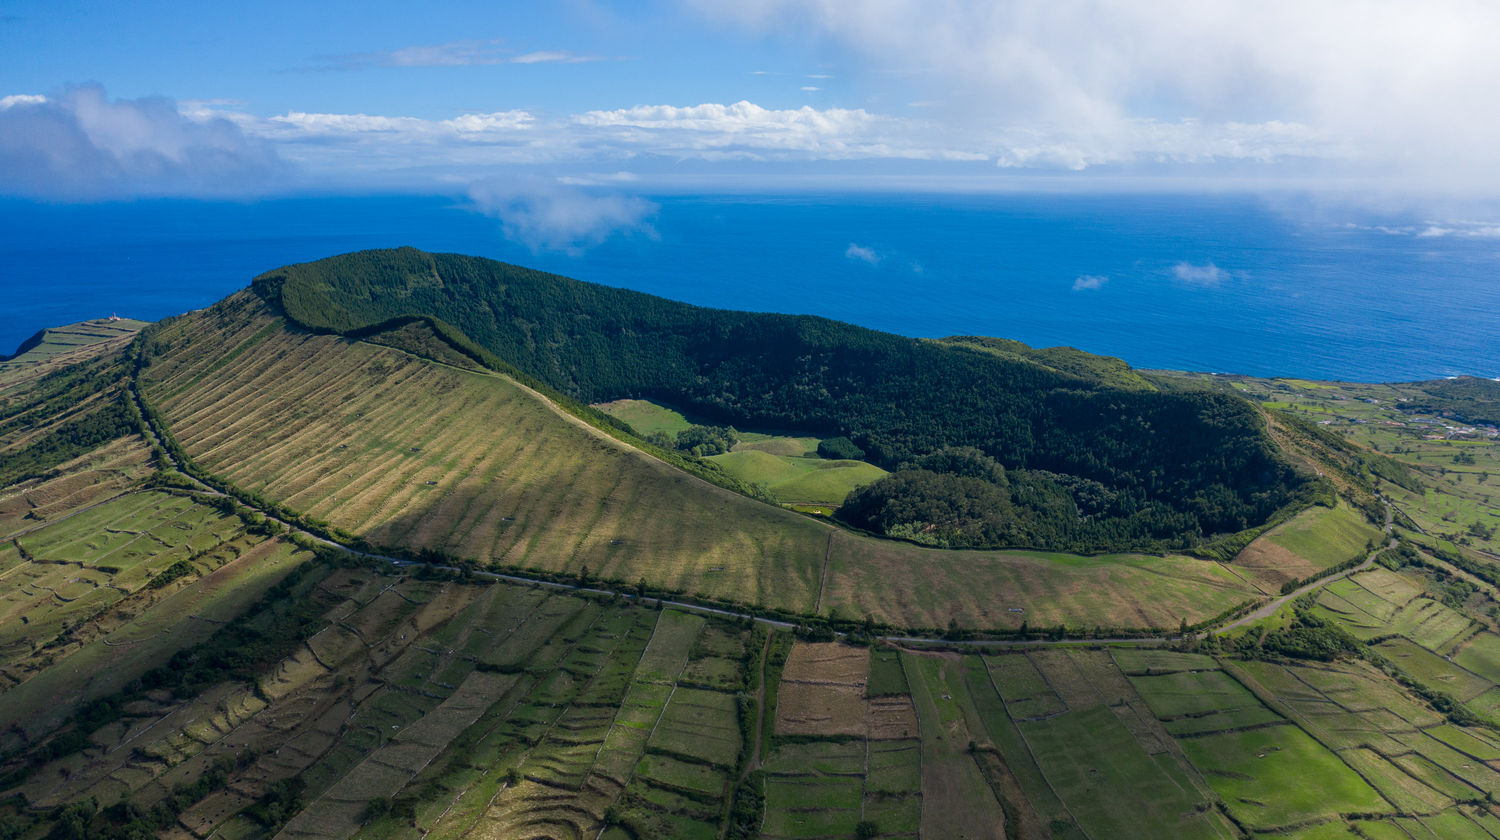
(1468, 399)
(1110, 461)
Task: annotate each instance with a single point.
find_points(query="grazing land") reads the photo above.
(787, 466)
(409, 453)
(59, 347)
(175, 663)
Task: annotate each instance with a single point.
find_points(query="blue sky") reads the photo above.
(346, 57)
(513, 102)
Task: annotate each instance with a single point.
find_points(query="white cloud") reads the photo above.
(1379, 89)
(1207, 274)
(1147, 140)
(811, 88)
(79, 144)
(466, 53)
(335, 147)
(1456, 228)
(710, 131)
(21, 99)
(745, 130)
(546, 215)
(554, 56)
(1089, 282)
(299, 125)
(862, 254)
(621, 177)
(1461, 229)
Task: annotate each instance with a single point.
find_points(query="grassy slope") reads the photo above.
(61, 346)
(799, 479)
(391, 698)
(1201, 454)
(1313, 540)
(783, 464)
(354, 433)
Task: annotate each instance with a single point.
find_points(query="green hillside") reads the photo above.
(174, 663)
(57, 346)
(418, 455)
(1114, 464)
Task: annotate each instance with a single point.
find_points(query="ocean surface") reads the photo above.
(1217, 283)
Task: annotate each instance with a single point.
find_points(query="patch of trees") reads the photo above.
(840, 449)
(281, 801)
(1306, 637)
(698, 441)
(66, 442)
(181, 568)
(1468, 399)
(1181, 464)
(959, 497)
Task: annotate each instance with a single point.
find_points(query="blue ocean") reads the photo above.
(1213, 283)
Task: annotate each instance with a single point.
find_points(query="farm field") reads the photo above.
(799, 479)
(98, 475)
(1447, 488)
(157, 647)
(843, 755)
(1310, 542)
(926, 587)
(476, 710)
(419, 455)
(114, 589)
(786, 465)
(60, 347)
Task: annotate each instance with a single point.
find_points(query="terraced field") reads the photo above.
(479, 710)
(407, 452)
(1310, 542)
(413, 453)
(59, 347)
(92, 600)
(230, 684)
(843, 755)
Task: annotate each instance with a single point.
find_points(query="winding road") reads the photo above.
(1257, 614)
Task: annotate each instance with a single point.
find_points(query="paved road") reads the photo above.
(1277, 603)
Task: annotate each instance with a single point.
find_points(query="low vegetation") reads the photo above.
(471, 467)
(174, 662)
(1180, 464)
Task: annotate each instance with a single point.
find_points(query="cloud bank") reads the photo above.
(1400, 90)
(547, 215)
(78, 144)
(861, 253)
(1089, 282)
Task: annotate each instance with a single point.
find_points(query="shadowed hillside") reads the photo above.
(417, 454)
(1109, 464)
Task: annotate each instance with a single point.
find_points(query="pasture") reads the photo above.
(1311, 541)
(413, 454)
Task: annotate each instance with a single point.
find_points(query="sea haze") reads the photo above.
(1199, 283)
